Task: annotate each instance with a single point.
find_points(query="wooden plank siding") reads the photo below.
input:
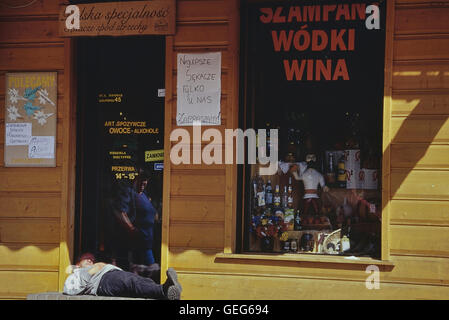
(34, 201)
(199, 217)
(254, 286)
(195, 206)
(416, 152)
(420, 147)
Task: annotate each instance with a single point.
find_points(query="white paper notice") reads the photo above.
(42, 147)
(199, 89)
(18, 134)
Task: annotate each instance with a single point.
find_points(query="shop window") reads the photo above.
(315, 72)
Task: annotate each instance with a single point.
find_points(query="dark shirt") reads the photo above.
(140, 212)
(145, 218)
(126, 202)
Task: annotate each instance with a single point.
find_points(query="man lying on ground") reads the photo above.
(103, 279)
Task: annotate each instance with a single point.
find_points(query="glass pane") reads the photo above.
(319, 82)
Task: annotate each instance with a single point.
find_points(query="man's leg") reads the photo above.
(126, 284)
(148, 257)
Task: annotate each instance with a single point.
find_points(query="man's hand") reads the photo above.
(131, 229)
(293, 168)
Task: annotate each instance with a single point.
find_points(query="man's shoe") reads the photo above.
(172, 288)
(173, 293)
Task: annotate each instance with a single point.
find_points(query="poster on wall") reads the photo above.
(199, 89)
(30, 119)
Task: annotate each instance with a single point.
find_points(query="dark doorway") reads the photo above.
(120, 134)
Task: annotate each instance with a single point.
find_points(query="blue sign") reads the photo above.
(158, 166)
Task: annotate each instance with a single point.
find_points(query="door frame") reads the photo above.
(69, 157)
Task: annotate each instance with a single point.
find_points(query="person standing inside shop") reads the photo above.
(136, 214)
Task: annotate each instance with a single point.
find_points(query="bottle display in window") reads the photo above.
(330, 137)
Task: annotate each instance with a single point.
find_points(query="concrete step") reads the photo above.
(61, 296)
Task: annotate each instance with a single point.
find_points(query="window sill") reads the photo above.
(309, 258)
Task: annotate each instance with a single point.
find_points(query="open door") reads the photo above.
(120, 127)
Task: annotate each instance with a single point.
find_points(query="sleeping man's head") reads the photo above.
(86, 260)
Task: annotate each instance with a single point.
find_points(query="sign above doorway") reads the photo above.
(156, 17)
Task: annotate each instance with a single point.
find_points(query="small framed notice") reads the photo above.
(30, 119)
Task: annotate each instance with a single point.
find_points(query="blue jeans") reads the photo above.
(117, 283)
(148, 257)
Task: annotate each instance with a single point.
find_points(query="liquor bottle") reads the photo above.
(267, 128)
(286, 247)
(341, 177)
(254, 194)
(285, 198)
(277, 197)
(260, 192)
(261, 199)
(345, 244)
(290, 193)
(298, 226)
(268, 194)
(330, 170)
(293, 246)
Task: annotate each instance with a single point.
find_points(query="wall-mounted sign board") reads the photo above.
(156, 17)
(30, 119)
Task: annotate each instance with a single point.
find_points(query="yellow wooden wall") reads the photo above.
(198, 199)
(35, 203)
(200, 216)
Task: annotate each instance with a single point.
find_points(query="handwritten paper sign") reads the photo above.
(199, 89)
(30, 119)
(42, 147)
(118, 18)
(17, 134)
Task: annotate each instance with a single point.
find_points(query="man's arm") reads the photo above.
(121, 206)
(96, 268)
(322, 183)
(123, 218)
(294, 171)
(73, 284)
